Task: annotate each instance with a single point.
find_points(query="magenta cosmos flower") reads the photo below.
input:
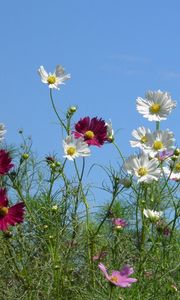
(94, 131)
(5, 162)
(119, 278)
(119, 223)
(10, 215)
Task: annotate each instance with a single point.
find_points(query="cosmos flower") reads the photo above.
(53, 79)
(119, 278)
(141, 136)
(100, 255)
(158, 141)
(145, 169)
(75, 147)
(93, 131)
(165, 154)
(156, 106)
(119, 223)
(110, 132)
(152, 215)
(10, 215)
(5, 162)
(2, 132)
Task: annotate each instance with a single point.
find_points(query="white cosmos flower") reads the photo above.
(156, 106)
(158, 141)
(110, 131)
(2, 131)
(145, 169)
(173, 169)
(75, 147)
(141, 136)
(53, 79)
(153, 215)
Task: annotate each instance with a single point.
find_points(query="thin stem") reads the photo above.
(157, 125)
(115, 193)
(55, 110)
(119, 151)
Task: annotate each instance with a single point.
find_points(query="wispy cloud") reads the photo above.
(129, 58)
(170, 74)
(125, 71)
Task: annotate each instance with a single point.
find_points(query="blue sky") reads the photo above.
(114, 50)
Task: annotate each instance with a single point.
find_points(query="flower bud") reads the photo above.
(177, 152)
(72, 109)
(25, 156)
(54, 208)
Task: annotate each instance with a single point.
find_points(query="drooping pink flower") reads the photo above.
(5, 162)
(10, 215)
(100, 255)
(119, 223)
(119, 278)
(94, 131)
(165, 154)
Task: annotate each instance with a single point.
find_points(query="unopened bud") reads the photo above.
(25, 155)
(177, 152)
(72, 109)
(54, 208)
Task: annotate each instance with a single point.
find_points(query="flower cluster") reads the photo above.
(14, 214)
(155, 146)
(87, 132)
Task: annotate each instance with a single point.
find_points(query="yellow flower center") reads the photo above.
(3, 211)
(71, 151)
(158, 145)
(144, 139)
(51, 79)
(142, 171)
(177, 167)
(89, 134)
(114, 279)
(155, 108)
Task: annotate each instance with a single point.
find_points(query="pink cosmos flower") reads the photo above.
(119, 278)
(9, 215)
(5, 162)
(119, 223)
(100, 255)
(94, 131)
(165, 154)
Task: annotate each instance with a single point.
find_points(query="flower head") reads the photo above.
(5, 162)
(2, 132)
(156, 106)
(119, 223)
(158, 141)
(53, 79)
(152, 215)
(75, 147)
(145, 169)
(10, 215)
(141, 137)
(164, 155)
(119, 278)
(110, 132)
(93, 131)
(100, 255)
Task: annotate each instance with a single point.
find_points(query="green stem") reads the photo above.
(119, 151)
(157, 125)
(115, 193)
(55, 110)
